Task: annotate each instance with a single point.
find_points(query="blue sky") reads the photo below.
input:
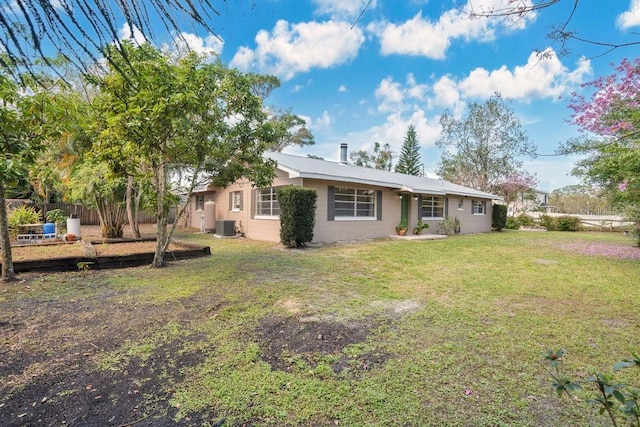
(406, 62)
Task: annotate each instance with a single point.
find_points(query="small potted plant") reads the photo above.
(419, 227)
(402, 228)
(57, 217)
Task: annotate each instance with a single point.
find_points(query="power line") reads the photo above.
(361, 13)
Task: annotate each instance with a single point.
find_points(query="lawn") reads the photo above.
(380, 333)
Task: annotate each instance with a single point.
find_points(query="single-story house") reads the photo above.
(353, 202)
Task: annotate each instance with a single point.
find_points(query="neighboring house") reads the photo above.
(534, 200)
(353, 202)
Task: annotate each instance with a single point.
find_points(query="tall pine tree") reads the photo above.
(409, 160)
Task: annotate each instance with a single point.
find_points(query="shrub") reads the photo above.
(548, 222)
(56, 216)
(450, 226)
(22, 215)
(619, 401)
(297, 215)
(420, 226)
(568, 223)
(526, 221)
(499, 217)
(512, 223)
(561, 223)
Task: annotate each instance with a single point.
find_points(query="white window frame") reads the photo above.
(479, 207)
(272, 203)
(461, 204)
(359, 198)
(433, 206)
(236, 201)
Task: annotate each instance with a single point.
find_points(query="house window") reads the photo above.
(479, 207)
(460, 204)
(354, 203)
(235, 201)
(200, 202)
(267, 202)
(432, 207)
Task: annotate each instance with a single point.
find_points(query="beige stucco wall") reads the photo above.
(268, 229)
(469, 223)
(337, 230)
(255, 228)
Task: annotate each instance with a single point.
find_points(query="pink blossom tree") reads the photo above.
(609, 118)
(516, 186)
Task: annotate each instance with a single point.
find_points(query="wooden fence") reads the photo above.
(593, 222)
(89, 216)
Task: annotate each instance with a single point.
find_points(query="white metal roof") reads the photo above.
(306, 167)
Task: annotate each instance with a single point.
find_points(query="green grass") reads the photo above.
(462, 321)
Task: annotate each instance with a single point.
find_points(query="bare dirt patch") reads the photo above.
(51, 372)
(286, 342)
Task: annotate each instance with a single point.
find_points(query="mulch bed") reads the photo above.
(97, 254)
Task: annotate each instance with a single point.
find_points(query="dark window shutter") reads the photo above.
(231, 200)
(253, 203)
(420, 206)
(331, 203)
(379, 205)
(241, 200)
(446, 207)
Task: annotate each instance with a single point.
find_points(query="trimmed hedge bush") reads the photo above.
(499, 217)
(297, 215)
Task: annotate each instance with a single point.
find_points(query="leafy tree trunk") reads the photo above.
(112, 218)
(162, 210)
(133, 204)
(8, 273)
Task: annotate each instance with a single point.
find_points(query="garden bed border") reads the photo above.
(188, 250)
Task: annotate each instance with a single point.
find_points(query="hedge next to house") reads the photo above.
(499, 217)
(297, 215)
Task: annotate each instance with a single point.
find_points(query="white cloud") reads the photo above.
(420, 36)
(630, 18)
(322, 122)
(539, 78)
(340, 9)
(394, 130)
(210, 45)
(389, 94)
(392, 96)
(134, 34)
(342, 89)
(290, 49)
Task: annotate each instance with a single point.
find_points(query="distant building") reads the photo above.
(535, 200)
